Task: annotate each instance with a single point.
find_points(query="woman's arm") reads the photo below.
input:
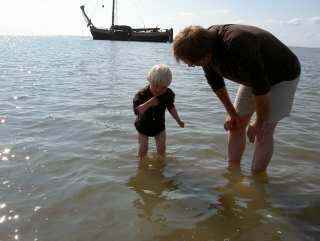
(233, 119)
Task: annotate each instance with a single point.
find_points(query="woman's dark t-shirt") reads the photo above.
(250, 56)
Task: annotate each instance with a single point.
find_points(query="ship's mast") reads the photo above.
(112, 26)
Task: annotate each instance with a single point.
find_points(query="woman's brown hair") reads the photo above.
(193, 43)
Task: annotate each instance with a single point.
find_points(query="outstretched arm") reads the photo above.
(173, 111)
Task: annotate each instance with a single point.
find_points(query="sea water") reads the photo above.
(69, 168)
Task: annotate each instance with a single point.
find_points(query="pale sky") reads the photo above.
(294, 22)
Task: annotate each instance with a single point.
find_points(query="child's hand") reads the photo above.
(153, 101)
(181, 124)
(146, 105)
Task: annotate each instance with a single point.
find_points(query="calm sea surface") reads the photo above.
(68, 163)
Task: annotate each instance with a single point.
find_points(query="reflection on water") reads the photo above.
(149, 184)
(241, 209)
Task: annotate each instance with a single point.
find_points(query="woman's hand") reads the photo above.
(232, 122)
(255, 131)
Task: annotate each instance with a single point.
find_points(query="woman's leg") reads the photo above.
(143, 142)
(161, 142)
(237, 140)
(264, 149)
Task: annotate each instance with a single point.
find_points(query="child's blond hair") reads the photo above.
(160, 74)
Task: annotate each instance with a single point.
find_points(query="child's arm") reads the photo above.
(173, 111)
(146, 105)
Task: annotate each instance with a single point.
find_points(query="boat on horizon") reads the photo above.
(126, 33)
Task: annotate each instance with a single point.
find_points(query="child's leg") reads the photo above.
(161, 142)
(143, 144)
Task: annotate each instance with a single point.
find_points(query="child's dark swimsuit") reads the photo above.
(152, 121)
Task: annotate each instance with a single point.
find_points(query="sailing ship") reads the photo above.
(126, 33)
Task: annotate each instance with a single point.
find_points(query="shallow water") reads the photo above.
(69, 168)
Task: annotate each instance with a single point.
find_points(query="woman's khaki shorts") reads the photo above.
(281, 100)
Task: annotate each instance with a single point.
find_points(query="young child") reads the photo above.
(150, 104)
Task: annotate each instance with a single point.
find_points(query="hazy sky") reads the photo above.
(294, 22)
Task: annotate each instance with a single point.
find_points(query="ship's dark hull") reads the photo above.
(103, 34)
